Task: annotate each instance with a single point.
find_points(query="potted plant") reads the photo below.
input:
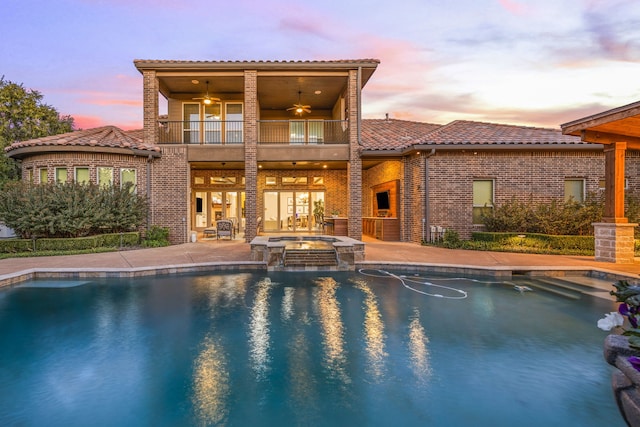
(623, 350)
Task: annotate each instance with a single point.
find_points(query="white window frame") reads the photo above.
(480, 206)
(99, 169)
(135, 178)
(193, 130)
(582, 184)
(75, 174)
(234, 132)
(66, 175)
(45, 172)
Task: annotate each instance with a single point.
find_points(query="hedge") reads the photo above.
(535, 240)
(113, 240)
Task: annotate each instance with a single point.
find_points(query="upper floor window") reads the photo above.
(482, 199)
(306, 131)
(216, 123)
(574, 190)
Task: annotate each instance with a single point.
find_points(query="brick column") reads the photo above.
(251, 153)
(614, 242)
(354, 167)
(150, 106)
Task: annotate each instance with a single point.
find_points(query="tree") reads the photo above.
(24, 116)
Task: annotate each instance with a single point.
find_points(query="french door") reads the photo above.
(210, 206)
(294, 211)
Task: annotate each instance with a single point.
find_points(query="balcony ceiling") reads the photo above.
(274, 92)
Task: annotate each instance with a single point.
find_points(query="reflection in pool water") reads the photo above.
(299, 349)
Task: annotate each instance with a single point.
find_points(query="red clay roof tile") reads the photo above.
(463, 132)
(107, 136)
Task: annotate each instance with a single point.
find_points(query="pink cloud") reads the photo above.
(294, 24)
(514, 7)
(89, 122)
(102, 101)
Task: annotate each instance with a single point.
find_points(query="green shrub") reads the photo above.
(70, 244)
(70, 209)
(15, 245)
(535, 242)
(451, 239)
(156, 236)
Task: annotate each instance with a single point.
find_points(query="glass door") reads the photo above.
(191, 123)
(200, 210)
(212, 124)
(233, 121)
(271, 218)
(301, 208)
(293, 211)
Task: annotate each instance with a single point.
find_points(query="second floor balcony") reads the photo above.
(270, 132)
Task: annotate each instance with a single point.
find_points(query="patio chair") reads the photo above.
(225, 228)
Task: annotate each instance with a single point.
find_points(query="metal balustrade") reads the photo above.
(201, 132)
(299, 132)
(221, 132)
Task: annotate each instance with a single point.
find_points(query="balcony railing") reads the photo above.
(221, 132)
(201, 132)
(298, 132)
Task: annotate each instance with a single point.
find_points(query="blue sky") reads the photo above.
(525, 62)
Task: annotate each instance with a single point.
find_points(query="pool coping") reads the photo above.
(502, 272)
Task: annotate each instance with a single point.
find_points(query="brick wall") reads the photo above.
(413, 224)
(251, 153)
(354, 166)
(535, 176)
(91, 160)
(170, 193)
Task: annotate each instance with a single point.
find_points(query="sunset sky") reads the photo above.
(526, 62)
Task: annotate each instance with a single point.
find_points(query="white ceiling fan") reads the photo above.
(208, 99)
(300, 108)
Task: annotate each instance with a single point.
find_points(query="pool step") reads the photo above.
(570, 286)
(310, 258)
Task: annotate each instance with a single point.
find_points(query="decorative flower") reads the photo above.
(610, 321)
(628, 295)
(635, 362)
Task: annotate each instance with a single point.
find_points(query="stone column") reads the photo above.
(614, 242)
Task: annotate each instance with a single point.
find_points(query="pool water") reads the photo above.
(300, 349)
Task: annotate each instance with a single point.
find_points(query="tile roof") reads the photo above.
(107, 136)
(463, 132)
(390, 134)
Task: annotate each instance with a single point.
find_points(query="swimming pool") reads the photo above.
(335, 349)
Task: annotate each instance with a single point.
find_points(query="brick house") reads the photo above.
(268, 142)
